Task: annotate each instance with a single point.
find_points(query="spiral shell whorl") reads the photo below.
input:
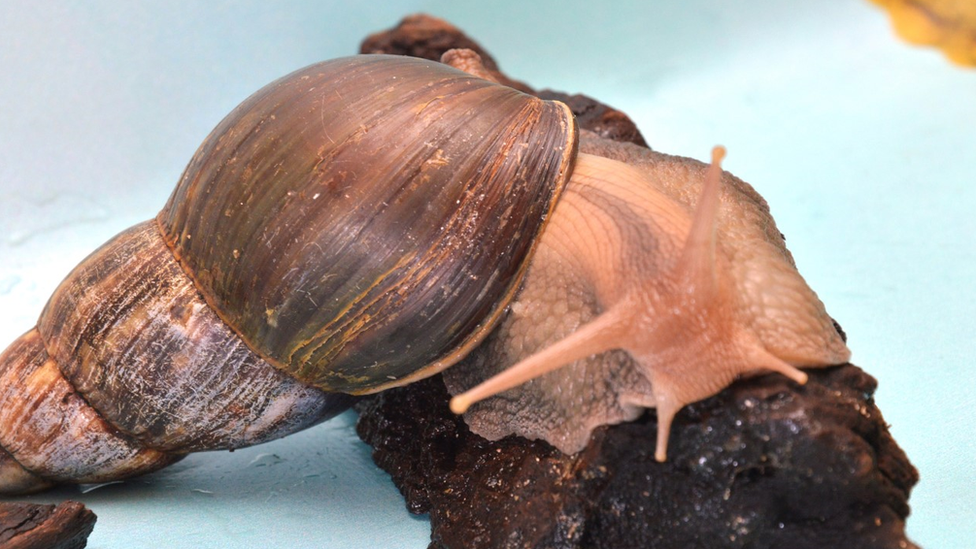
(365, 216)
(48, 429)
(129, 370)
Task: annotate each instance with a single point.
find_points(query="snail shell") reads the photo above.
(392, 236)
(354, 225)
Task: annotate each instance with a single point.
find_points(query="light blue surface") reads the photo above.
(864, 147)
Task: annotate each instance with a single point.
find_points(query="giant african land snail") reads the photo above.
(366, 222)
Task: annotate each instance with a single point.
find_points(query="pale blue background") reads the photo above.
(865, 148)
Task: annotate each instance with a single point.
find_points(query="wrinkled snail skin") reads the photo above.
(369, 221)
(351, 226)
(660, 280)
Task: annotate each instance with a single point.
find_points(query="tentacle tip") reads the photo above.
(802, 378)
(660, 455)
(459, 404)
(797, 375)
(718, 154)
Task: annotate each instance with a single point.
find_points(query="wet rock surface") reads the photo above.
(764, 464)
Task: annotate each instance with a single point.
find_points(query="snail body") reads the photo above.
(368, 221)
(698, 289)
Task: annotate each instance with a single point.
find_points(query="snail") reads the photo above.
(369, 221)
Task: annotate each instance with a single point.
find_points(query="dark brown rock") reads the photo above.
(600, 119)
(421, 35)
(33, 526)
(763, 464)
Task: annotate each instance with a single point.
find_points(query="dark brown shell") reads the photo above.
(368, 217)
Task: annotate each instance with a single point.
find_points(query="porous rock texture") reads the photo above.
(763, 464)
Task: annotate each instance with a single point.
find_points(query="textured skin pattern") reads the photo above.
(607, 238)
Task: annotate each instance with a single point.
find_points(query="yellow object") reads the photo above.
(946, 24)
